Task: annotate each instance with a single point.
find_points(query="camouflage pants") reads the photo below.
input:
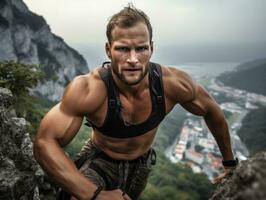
(129, 176)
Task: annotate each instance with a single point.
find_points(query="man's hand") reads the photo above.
(113, 194)
(219, 178)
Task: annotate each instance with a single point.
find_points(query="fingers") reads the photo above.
(114, 194)
(126, 197)
(219, 178)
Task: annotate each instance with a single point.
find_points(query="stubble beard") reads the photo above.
(123, 78)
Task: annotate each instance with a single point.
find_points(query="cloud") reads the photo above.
(175, 22)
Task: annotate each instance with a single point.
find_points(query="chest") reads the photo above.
(136, 109)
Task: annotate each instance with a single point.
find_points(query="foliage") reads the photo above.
(198, 148)
(174, 181)
(169, 129)
(74, 147)
(20, 79)
(249, 76)
(227, 114)
(253, 130)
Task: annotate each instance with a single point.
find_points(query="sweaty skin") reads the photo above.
(129, 52)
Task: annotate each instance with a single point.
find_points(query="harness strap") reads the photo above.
(113, 97)
(157, 88)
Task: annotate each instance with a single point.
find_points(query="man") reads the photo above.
(124, 101)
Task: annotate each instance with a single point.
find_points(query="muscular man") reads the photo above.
(124, 101)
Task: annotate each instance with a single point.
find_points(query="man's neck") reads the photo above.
(130, 91)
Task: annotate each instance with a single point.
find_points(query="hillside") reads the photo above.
(27, 180)
(249, 76)
(169, 180)
(253, 130)
(25, 37)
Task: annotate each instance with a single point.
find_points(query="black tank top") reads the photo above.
(114, 125)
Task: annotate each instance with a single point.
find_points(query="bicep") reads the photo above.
(202, 103)
(59, 125)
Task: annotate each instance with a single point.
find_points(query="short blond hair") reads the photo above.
(126, 18)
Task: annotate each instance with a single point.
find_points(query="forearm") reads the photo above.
(219, 128)
(59, 167)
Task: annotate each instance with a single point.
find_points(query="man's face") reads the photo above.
(130, 51)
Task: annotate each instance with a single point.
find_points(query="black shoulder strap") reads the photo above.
(113, 99)
(158, 82)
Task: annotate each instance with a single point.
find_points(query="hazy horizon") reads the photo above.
(184, 30)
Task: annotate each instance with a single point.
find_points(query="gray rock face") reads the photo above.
(247, 181)
(25, 37)
(20, 175)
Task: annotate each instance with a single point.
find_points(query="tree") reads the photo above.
(20, 79)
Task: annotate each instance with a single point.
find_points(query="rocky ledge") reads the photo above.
(247, 181)
(20, 175)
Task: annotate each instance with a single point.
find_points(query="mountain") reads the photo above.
(249, 76)
(26, 37)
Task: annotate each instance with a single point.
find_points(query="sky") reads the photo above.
(185, 31)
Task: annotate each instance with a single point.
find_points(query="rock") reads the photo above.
(6, 98)
(20, 175)
(247, 181)
(26, 37)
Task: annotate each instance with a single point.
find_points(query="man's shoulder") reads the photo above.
(178, 84)
(86, 91)
(174, 72)
(87, 82)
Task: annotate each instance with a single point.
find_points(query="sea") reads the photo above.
(207, 69)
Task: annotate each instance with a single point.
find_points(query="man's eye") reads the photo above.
(141, 48)
(122, 49)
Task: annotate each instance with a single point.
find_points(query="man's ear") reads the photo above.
(108, 50)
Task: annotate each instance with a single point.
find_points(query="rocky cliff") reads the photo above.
(22, 178)
(25, 37)
(247, 181)
(20, 175)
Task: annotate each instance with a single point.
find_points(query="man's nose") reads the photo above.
(133, 58)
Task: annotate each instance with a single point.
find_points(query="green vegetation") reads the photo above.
(249, 76)
(20, 79)
(167, 180)
(205, 81)
(228, 115)
(232, 118)
(169, 129)
(199, 148)
(174, 181)
(74, 147)
(253, 130)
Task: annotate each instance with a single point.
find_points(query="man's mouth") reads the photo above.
(132, 69)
